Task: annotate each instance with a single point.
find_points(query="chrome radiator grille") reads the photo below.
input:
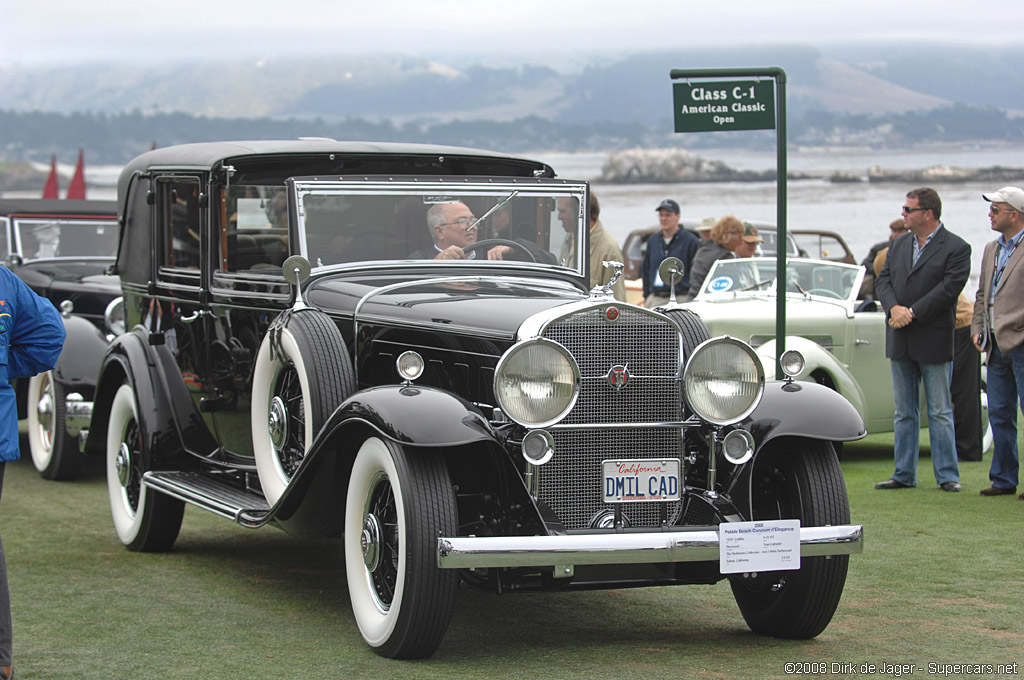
(648, 346)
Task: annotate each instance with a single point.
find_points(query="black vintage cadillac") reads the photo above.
(62, 250)
(396, 345)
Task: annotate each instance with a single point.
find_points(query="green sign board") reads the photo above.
(730, 105)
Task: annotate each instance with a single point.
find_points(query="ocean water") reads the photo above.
(860, 212)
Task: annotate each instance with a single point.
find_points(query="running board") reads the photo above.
(227, 500)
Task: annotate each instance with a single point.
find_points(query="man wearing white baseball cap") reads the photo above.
(998, 328)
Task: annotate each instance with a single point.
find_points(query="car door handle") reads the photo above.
(860, 341)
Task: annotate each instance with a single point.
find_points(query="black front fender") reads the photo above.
(417, 416)
(804, 409)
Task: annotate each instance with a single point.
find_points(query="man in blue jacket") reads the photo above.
(31, 338)
(672, 241)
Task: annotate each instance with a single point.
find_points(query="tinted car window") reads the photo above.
(178, 200)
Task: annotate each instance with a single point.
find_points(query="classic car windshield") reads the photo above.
(342, 222)
(39, 239)
(756, 276)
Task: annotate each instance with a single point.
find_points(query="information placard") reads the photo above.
(759, 546)
(727, 105)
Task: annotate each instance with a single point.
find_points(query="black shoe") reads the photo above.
(892, 484)
(950, 486)
(998, 491)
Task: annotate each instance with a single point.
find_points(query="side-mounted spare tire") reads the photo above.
(693, 329)
(303, 371)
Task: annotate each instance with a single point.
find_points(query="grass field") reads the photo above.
(940, 581)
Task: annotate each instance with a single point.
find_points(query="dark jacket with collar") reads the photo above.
(930, 288)
(683, 245)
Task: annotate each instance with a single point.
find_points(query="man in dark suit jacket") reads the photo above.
(918, 288)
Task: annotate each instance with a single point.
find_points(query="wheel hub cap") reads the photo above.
(123, 464)
(369, 542)
(277, 423)
(44, 409)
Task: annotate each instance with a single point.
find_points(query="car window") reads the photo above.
(46, 238)
(343, 223)
(254, 229)
(755, 276)
(4, 249)
(179, 222)
(821, 246)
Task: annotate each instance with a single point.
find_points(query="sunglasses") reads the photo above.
(995, 209)
(908, 210)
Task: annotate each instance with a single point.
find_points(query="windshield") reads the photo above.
(537, 224)
(47, 238)
(756, 276)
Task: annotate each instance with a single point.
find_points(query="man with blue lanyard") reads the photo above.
(671, 241)
(31, 338)
(998, 328)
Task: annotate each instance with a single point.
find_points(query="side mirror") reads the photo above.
(671, 271)
(296, 270)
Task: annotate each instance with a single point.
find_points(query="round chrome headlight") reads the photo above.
(113, 316)
(723, 380)
(536, 383)
(409, 365)
(792, 363)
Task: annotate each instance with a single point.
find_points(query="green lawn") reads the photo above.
(940, 581)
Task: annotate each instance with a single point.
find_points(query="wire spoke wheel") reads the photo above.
(398, 503)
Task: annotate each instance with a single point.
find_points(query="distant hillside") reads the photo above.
(868, 95)
(632, 89)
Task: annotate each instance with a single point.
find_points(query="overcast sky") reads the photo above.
(59, 31)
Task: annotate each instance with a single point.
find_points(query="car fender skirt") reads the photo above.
(804, 409)
(84, 347)
(409, 414)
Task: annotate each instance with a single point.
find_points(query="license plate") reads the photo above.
(632, 481)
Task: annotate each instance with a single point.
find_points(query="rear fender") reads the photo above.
(167, 414)
(80, 360)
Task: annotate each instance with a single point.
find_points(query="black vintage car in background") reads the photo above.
(295, 359)
(62, 249)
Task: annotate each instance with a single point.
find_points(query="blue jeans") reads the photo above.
(907, 376)
(1005, 383)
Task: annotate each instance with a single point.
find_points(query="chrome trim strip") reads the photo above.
(632, 548)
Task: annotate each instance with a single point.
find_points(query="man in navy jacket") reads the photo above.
(923, 274)
(671, 241)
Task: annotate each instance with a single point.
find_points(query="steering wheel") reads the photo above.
(489, 243)
(825, 292)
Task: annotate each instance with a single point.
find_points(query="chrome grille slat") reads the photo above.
(649, 346)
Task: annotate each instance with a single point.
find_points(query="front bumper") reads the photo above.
(562, 553)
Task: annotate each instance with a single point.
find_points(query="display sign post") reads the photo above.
(742, 99)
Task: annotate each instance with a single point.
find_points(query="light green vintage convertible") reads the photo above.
(841, 339)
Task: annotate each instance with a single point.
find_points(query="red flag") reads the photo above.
(77, 187)
(50, 189)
